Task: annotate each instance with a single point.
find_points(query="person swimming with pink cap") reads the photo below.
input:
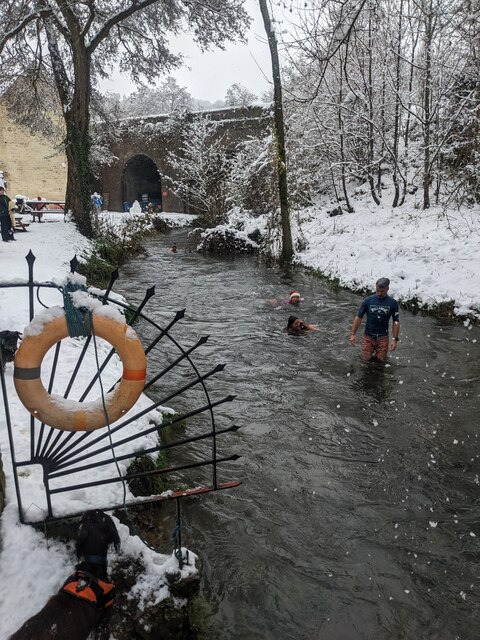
(294, 299)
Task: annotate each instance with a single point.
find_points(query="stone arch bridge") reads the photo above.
(143, 146)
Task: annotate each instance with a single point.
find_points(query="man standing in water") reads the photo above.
(379, 309)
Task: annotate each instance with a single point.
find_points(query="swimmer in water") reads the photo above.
(297, 327)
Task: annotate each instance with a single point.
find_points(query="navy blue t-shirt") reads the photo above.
(379, 311)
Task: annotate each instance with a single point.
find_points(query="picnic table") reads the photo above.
(37, 208)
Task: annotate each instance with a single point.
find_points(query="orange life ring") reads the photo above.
(66, 414)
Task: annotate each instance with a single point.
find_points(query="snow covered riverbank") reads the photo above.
(430, 256)
(54, 244)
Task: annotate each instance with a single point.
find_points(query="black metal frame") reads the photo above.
(61, 453)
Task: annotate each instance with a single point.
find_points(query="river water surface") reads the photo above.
(358, 513)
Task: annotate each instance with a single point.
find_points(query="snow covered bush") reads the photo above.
(201, 172)
(252, 184)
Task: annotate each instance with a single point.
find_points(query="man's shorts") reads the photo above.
(374, 346)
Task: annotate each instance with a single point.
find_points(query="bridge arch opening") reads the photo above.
(141, 181)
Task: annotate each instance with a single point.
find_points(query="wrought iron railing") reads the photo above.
(66, 456)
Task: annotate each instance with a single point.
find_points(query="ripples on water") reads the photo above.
(360, 483)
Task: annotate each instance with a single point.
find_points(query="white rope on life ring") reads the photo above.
(69, 415)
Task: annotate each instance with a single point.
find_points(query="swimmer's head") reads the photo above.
(291, 321)
(294, 297)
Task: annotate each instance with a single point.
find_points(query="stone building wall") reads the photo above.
(32, 164)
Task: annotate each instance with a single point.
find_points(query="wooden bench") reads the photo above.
(20, 225)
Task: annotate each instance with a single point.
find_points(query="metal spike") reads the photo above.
(150, 293)
(74, 264)
(30, 258)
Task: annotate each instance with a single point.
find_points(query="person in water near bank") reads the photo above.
(173, 248)
(379, 307)
(294, 299)
(295, 326)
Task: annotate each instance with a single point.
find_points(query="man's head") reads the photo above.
(294, 297)
(2, 191)
(381, 287)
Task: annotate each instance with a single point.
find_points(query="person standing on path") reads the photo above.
(379, 307)
(5, 220)
(97, 202)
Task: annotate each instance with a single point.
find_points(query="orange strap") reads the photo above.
(89, 588)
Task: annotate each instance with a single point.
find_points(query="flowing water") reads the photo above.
(358, 513)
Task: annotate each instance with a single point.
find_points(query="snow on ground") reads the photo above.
(429, 255)
(54, 243)
(178, 219)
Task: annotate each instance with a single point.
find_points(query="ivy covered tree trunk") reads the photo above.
(79, 177)
(77, 147)
(75, 100)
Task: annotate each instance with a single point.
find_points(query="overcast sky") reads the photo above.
(210, 75)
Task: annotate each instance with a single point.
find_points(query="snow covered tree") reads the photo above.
(201, 169)
(75, 42)
(239, 96)
(461, 154)
(384, 92)
(252, 182)
(169, 96)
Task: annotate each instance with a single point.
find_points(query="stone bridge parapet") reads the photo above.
(143, 146)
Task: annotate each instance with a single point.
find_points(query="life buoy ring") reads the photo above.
(70, 415)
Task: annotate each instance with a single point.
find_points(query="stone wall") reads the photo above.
(32, 164)
(152, 138)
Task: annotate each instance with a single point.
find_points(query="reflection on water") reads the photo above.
(355, 519)
(375, 380)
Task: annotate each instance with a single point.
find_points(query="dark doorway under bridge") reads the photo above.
(141, 181)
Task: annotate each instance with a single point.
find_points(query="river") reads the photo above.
(357, 517)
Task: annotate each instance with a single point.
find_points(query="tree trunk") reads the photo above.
(279, 135)
(396, 126)
(77, 118)
(342, 140)
(383, 126)
(76, 113)
(406, 138)
(371, 145)
(426, 108)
